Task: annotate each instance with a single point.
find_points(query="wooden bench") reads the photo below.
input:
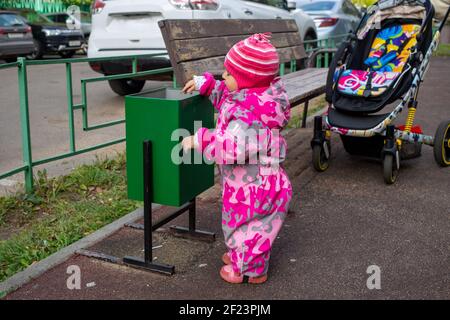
(196, 46)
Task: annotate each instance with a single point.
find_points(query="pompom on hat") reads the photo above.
(253, 62)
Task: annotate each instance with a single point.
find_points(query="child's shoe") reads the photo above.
(226, 258)
(227, 273)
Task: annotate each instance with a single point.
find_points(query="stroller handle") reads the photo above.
(441, 26)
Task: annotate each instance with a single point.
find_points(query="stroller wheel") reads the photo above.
(391, 166)
(321, 156)
(442, 144)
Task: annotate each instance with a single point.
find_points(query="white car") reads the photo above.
(129, 27)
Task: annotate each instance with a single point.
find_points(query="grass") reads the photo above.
(61, 211)
(315, 105)
(443, 50)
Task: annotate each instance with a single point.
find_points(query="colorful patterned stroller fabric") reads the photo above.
(354, 82)
(385, 62)
(386, 53)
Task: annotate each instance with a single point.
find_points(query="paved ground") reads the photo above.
(49, 117)
(342, 221)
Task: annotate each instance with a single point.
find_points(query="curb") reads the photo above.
(19, 279)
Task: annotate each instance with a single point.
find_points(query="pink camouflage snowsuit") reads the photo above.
(256, 194)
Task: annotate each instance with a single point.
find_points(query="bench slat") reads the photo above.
(301, 85)
(305, 84)
(188, 69)
(182, 29)
(296, 91)
(308, 73)
(194, 49)
(287, 54)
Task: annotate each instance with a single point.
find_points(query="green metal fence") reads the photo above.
(22, 66)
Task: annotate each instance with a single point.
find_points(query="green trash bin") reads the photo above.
(155, 115)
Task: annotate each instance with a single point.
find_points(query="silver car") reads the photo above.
(332, 18)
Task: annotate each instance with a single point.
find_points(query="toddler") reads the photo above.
(248, 148)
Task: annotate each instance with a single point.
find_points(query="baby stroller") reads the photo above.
(382, 62)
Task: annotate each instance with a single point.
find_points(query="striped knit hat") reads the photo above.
(253, 62)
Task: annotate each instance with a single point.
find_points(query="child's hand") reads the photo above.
(189, 86)
(188, 143)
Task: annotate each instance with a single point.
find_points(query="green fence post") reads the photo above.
(174, 81)
(134, 65)
(84, 104)
(70, 105)
(293, 65)
(282, 69)
(25, 124)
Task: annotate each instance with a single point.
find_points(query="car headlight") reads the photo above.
(51, 32)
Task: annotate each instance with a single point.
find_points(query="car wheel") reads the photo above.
(309, 48)
(38, 51)
(310, 37)
(67, 54)
(126, 86)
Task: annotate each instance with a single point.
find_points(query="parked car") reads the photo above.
(16, 38)
(51, 37)
(121, 27)
(332, 17)
(83, 21)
